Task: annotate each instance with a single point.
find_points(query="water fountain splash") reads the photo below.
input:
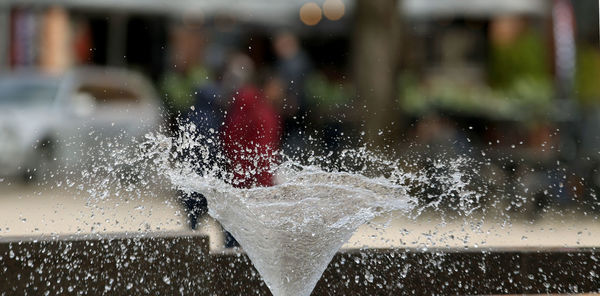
(292, 230)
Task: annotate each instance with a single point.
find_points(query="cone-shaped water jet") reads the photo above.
(292, 230)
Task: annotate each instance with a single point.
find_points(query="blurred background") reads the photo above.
(512, 84)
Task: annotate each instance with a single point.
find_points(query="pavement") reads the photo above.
(29, 210)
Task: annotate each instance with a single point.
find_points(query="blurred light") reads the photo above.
(334, 9)
(310, 14)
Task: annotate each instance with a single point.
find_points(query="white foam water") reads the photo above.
(292, 230)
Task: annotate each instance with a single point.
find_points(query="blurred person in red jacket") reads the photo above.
(252, 132)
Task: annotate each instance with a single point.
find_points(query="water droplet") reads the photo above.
(369, 277)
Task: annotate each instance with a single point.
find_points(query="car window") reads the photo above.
(27, 92)
(109, 94)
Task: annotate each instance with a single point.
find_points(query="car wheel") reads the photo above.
(44, 165)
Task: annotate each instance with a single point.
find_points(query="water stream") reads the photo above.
(292, 230)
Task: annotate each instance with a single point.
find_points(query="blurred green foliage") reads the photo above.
(520, 85)
(325, 94)
(526, 99)
(526, 57)
(178, 87)
(587, 81)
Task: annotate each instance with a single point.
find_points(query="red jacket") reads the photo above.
(250, 138)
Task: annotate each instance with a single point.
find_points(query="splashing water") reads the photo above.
(292, 230)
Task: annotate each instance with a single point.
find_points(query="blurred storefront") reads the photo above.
(57, 34)
(469, 55)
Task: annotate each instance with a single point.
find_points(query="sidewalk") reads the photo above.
(34, 211)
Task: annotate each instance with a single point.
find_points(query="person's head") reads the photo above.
(285, 44)
(273, 88)
(504, 30)
(239, 71)
(187, 47)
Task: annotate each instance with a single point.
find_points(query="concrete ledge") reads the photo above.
(168, 263)
(111, 264)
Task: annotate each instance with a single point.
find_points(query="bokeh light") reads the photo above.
(334, 9)
(310, 14)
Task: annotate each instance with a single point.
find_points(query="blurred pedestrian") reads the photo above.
(187, 72)
(251, 138)
(187, 84)
(293, 67)
(251, 133)
(206, 117)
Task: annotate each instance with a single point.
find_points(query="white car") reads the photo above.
(56, 121)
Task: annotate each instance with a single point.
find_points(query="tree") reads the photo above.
(375, 53)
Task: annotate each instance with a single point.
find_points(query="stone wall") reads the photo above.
(169, 264)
